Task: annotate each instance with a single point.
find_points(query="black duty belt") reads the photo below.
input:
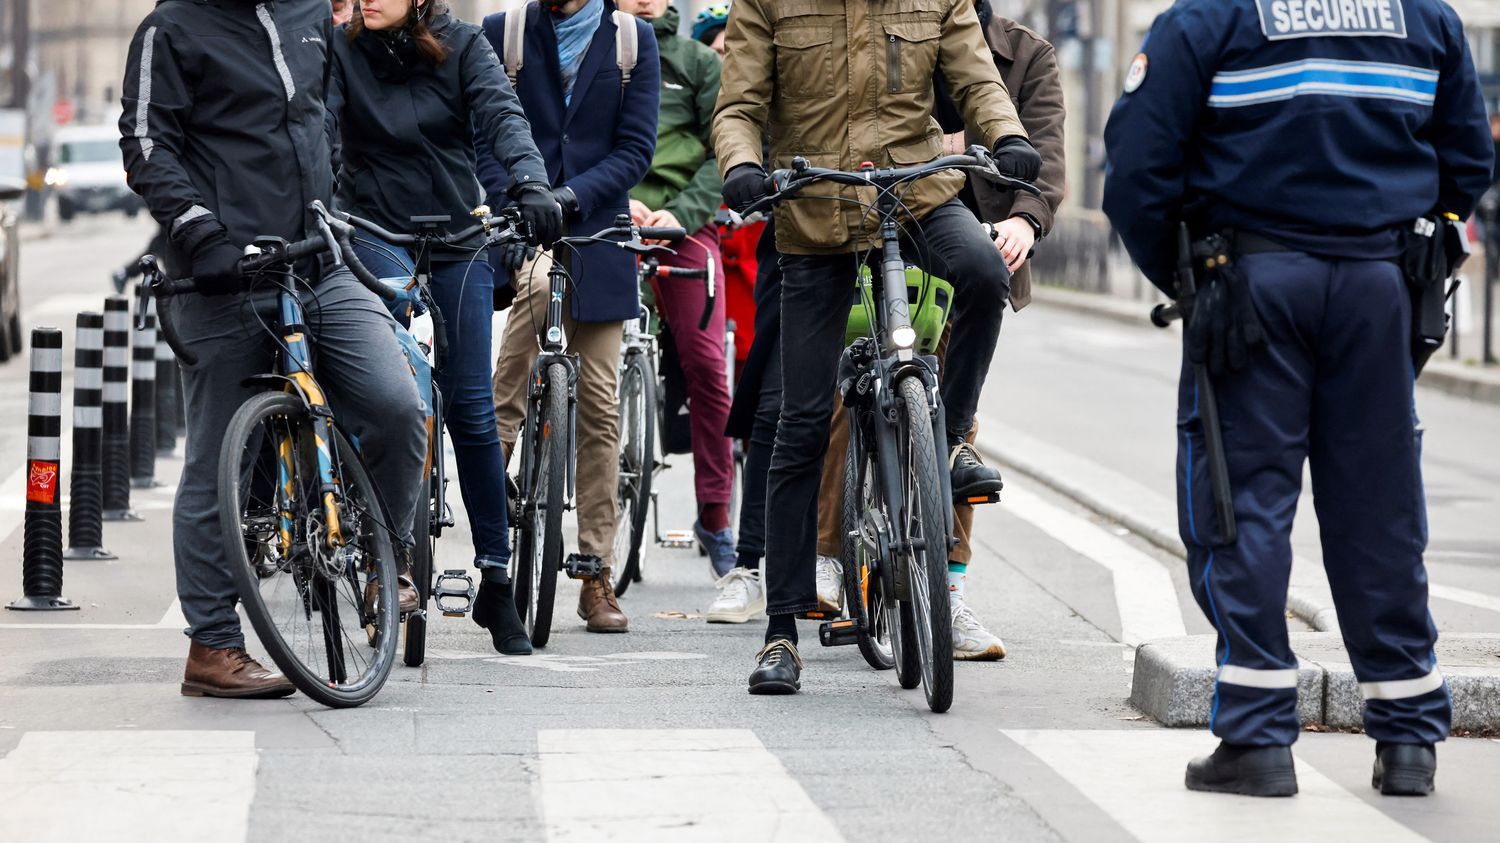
(1246, 243)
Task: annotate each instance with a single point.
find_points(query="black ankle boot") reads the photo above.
(495, 610)
(1404, 769)
(1247, 770)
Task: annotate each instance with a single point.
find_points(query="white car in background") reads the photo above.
(88, 174)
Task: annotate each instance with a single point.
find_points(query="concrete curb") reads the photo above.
(1131, 505)
(1173, 680)
(1451, 378)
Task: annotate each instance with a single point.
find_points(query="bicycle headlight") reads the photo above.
(904, 336)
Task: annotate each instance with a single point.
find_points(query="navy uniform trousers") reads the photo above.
(1332, 386)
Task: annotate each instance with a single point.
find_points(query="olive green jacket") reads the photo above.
(841, 83)
(683, 178)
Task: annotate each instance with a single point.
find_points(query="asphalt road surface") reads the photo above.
(651, 735)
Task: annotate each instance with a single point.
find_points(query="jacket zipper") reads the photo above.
(892, 64)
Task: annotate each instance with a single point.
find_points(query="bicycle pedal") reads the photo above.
(680, 539)
(818, 616)
(839, 633)
(453, 593)
(580, 567)
(978, 500)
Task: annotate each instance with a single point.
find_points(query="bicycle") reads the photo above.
(640, 412)
(305, 530)
(547, 470)
(897, 508)
(452, 591)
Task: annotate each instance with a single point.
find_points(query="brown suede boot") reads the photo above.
(230, 673)
(598, 605)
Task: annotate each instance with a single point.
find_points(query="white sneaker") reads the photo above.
(971, 641)
(741, 597)
(830, 585)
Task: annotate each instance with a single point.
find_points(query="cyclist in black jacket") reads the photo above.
(408, 82)
(223, 136)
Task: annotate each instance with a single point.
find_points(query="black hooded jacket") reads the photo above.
(224, 116)
(407, 127)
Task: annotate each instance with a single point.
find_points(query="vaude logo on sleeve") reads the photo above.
(1282, 19)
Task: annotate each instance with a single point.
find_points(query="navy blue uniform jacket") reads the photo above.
(600, 145)
(1324, 124)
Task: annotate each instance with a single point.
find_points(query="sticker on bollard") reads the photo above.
(86, 493)
(116, 415)
(42, 556)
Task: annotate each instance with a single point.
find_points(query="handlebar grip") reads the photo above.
(361, 272)
(681, 272)
(662, 232)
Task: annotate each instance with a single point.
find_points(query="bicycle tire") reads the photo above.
(864, 590)
(552, 469)
(637, 465)
(315, 594)
(931, 615)
(424, 547)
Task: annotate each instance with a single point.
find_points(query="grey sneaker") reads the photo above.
(742, 596)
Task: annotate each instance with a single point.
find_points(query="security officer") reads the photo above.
(1310, 135)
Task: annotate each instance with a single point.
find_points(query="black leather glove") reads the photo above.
(1017, 158)
(1225, 330)
(541, 211)
(514, 255)
(743, 186)
(216, 264)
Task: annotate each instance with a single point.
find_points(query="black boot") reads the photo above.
(972, 478)
(495, 610)
(1404, 769)
(779, 670)
(1246, 770)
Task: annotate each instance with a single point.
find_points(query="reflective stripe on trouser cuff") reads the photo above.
(1400, 689)
(1250, 677)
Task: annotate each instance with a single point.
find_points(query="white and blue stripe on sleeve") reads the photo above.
(1323, 77)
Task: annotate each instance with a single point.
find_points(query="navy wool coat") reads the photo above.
(599, 145)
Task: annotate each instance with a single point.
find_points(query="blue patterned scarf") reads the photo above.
(574, 34)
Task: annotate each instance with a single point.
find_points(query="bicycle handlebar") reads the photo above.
(334, 238)
(662, 232)
(503, 227)
(784, 184)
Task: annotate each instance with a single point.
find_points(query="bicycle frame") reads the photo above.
(295, 363)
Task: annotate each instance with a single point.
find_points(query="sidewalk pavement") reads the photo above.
(1464, 378)
(1173, 679)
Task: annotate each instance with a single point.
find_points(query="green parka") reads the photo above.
(684, 177)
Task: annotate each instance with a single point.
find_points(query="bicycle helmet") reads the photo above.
(709, 22)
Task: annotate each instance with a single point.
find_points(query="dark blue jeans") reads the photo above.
(464, 290)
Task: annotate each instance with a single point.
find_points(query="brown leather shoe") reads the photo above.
(406, 590)
(230, 673)
(598, 605)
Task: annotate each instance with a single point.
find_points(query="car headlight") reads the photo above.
(57, 177)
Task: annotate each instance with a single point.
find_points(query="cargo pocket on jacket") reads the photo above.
(910, 55)
(804, 60)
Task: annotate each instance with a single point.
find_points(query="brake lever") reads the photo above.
(150, 274)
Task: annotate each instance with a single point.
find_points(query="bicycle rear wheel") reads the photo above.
(541, 536)
(306, 601)
(865, 596)
(924, 529)
(637, 464)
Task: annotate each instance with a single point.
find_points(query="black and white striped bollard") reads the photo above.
(42, 557)
(168, 394)
(117, 410)
(143, 405)
(86, 495)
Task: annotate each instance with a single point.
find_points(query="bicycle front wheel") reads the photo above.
(309, 599)
(637, 463)
(924, 526)
(541, 535)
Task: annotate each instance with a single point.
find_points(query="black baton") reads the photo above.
(1208, 404)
